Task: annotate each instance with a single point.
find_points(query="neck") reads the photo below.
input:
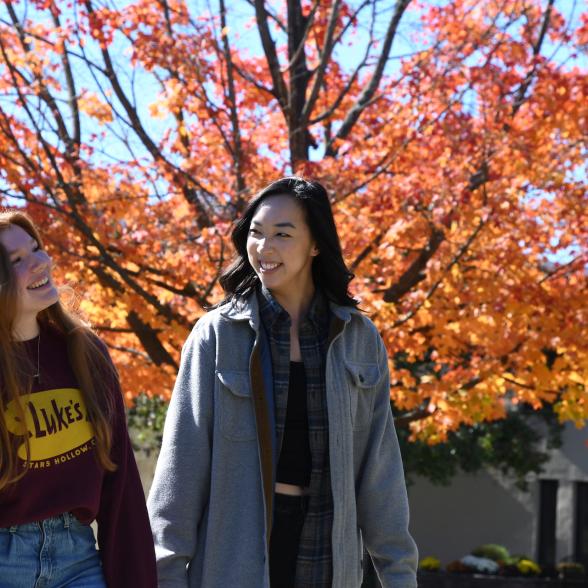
(26, 328)
(297, 303)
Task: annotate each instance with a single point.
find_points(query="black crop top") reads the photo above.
(295, 462)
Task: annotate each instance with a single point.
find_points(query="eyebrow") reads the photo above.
(279, 225)
(32, 241)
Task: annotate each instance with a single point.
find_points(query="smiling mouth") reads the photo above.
(38, 284)
(267, 266)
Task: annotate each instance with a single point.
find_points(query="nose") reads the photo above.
(264, 244)
(40, 260)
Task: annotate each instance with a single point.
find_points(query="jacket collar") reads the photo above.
(247, 309)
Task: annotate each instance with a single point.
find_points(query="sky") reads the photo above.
(244, 36)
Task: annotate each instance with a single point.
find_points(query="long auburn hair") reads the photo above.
(329, 272)
(86, 355)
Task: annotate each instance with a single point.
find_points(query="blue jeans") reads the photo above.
(58, 552)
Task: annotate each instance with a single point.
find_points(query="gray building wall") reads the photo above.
(448, 522)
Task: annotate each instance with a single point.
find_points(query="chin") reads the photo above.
(51, 302)
(271, 284)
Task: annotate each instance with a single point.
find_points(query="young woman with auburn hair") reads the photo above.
(279, 458)
(65, 455)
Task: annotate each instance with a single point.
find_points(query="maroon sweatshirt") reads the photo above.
(63, 474)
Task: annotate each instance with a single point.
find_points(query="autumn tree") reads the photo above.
(451, 135)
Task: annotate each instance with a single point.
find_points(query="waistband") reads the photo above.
(64, 521)
(286, 500)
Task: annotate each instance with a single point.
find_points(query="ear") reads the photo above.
(314, 251)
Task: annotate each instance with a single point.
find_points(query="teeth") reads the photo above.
(38, 284)
(268, 266)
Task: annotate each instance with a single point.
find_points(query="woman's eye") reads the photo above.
(15, 260)
(253, 231)
(283, 235)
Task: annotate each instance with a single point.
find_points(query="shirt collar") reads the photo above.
(247, 308)
(271, 310)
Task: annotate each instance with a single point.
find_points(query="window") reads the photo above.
(547, 522)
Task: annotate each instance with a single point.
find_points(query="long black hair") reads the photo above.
(329, 272)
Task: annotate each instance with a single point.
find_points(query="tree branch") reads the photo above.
(368, 93)
(190, 194)
(279, 86)
(71, 89)
(415, 272)
(232, 98)
(522, 91)
(151, 343)
(319, 72)
(463, 249)
(367, 250)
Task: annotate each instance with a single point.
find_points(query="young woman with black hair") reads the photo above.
(279, 459)
(65, 455)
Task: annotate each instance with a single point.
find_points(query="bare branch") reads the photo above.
(130, 350)
(569, 266)
(71, 89)
(415, 272)
(129, 331)
(190, 193)
(463, 249)
(272, 15)
(43, 91)
(329, 111)
(404, 420)
(279, 86)
(367, 250)
(368, 93)
(29, 163)
(144, 332)
(522, 91)
(296, 51)
(232, 98)
(319, 72)
(47, 148)
(149, 340)
(252, 80)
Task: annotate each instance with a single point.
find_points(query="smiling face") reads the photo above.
(32, 273)
(280, 248)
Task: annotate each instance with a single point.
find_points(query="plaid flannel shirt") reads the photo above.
(314, 567)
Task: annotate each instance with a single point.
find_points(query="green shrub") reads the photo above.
(430, 564)
(497, 553)
(145, 420)
(528, 567)
(570, 569)
(457, 567)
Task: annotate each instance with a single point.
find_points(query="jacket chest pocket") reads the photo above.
(237, 417)
(362, 379)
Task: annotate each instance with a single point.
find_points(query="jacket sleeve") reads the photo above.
(382, 502)
(124, 534)
(180, 489)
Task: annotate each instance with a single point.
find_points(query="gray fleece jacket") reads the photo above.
(209, 500)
